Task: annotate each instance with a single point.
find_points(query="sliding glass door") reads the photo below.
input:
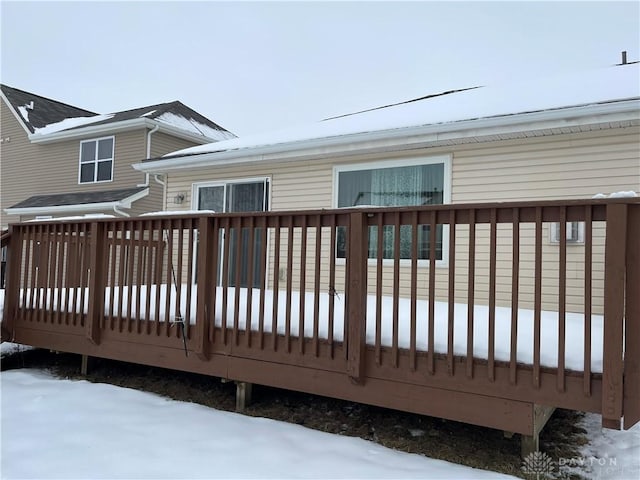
(233, 197)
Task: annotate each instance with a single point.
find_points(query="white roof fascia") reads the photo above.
(88, 131)
(15, 114)
(364, 142)
(126, 202)
(113, 127)
(79, 207)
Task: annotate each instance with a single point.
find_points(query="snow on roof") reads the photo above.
(532, 95)
(193, 126)
(71, 123)
(24, 111)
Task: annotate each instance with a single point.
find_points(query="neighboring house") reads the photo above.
(569, 136)
(59, 160)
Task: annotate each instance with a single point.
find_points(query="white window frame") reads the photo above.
(95, 161)
(554, 233)
(445, 159)
(195, 190)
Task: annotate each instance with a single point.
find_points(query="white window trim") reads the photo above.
(554, 233)
(445, 159)
(95, 161)
(195, 188)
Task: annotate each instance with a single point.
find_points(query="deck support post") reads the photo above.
(244, 392)
(531, 443)
(97, 282)
(614, 290)
(84, 365)
(12, 279)
(357, 295)
(207, 252)
(631, 394)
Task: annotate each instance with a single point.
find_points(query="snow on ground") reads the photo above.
(610, 454)
(121, 433)
(53, 428)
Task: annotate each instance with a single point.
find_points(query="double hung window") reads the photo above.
(96, 160)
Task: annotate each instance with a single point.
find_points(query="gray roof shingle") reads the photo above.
(77, 198)
(43, 111)
(38, 112)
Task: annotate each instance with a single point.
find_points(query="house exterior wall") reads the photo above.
(38, 169)
(15, 144)
(554, 167)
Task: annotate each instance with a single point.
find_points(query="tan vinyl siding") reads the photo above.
(161, 144)
(562, 166)
(16, 145)
(28, 169)
(575, 165)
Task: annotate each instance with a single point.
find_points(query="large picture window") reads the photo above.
(393, 185)
(96, 160)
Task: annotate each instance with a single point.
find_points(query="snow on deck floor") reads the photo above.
(53, 428)
(574, 349)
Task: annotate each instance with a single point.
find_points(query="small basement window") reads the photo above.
(96, 160)
(575, 232)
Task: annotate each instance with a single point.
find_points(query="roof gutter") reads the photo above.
(80, 207)
(415, 136)
(114, 127)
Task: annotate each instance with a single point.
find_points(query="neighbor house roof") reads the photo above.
(78, 201)
(37, 112)
(49, 120)
(565, 103)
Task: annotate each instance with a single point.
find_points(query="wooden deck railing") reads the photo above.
(438, 310)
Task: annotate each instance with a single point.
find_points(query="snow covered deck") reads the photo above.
(261, 319)
(492, 321)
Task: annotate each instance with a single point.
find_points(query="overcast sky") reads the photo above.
(260, 66)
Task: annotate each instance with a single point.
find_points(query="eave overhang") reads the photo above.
(125, 203)
(413, 137)
(115, 127)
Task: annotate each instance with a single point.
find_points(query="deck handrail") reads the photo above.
(489, 254)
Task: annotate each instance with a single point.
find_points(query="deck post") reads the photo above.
(357, 295)
(84, 365)
(631, 408)
(206, 280)
(244, 393)
(614, 281)
(531, 443)
(12, 279)
(96, 282)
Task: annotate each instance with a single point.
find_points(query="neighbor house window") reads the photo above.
(394, 184)
(96, 160)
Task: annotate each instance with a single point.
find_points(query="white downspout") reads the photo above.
(149, 133)
(156, 177)
(120, 212)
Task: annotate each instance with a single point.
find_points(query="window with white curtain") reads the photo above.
(393, 184)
